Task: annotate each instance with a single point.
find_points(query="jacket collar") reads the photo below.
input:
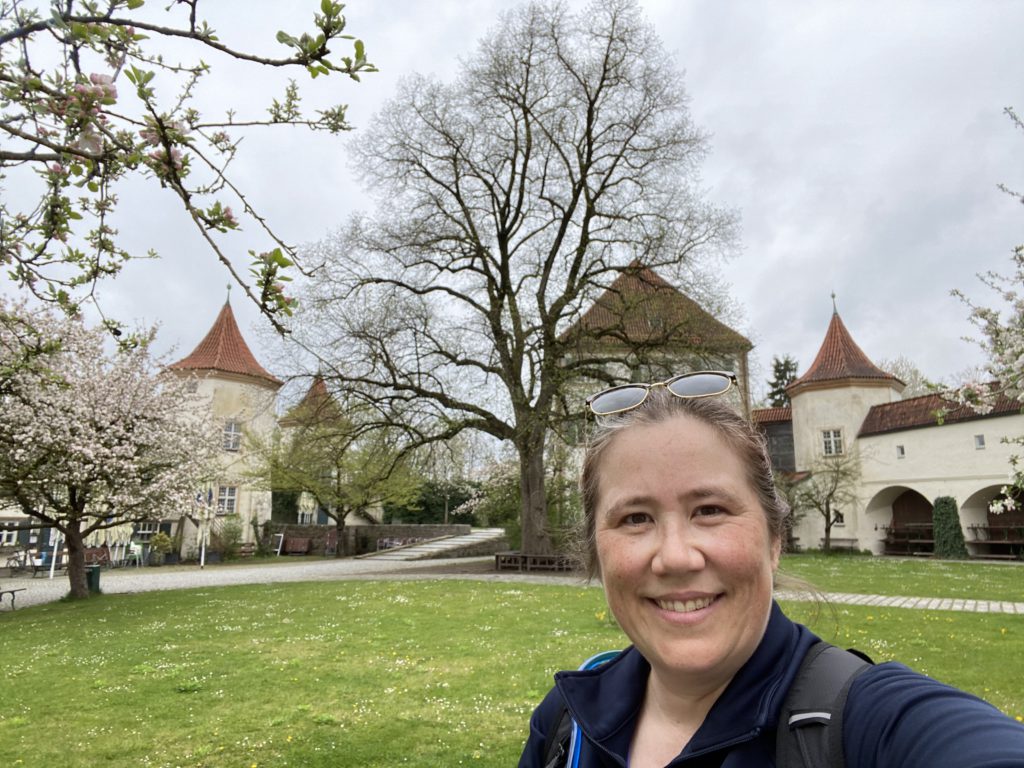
(606, 701)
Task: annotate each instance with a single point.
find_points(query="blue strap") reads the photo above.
(575, 740)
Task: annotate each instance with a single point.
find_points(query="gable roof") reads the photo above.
(223, 350)
(918, 412)
(771, 415)
(840, 360)
(640, 307)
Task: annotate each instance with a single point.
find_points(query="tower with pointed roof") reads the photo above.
(240, 397)
(831, 399)
(909, 452)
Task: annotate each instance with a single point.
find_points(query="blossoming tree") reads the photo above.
(91, 439)
(90, 96)
(1002, 339)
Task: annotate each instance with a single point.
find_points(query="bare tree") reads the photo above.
(829, 489)
(904, 369)
(507, 202)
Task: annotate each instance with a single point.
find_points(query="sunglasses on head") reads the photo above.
(687, 385)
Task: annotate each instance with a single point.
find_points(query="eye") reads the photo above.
(709, 510)
(636, 518)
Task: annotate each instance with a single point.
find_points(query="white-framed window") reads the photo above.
(901, 452)
(307, 516)
(232, 435)
(838, 517)
(832, 442)
(227, 498)
(979, 442)
(146, 530)
(8, 537)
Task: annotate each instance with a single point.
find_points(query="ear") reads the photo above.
(776, 552)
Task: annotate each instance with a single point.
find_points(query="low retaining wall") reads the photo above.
(360, 539)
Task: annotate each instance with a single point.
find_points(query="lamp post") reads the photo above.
(204, 506)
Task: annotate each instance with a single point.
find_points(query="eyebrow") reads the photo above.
(695, 494)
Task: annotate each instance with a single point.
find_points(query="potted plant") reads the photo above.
(159, 545)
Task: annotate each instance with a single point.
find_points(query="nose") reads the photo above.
(679, 550)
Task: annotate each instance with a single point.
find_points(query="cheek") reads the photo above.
(619, 557)
(747, 554)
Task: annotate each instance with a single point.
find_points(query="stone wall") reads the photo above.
(360, 539)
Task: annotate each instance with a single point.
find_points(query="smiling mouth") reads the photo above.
(684, 606)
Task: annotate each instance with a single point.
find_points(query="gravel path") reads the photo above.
(40, 590)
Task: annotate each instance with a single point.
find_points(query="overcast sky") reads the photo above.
(860, 142)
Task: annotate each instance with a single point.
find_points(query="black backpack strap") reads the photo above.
(556, 742)
(810, 732)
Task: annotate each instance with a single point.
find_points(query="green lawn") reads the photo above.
(911, 577)
(424, 673)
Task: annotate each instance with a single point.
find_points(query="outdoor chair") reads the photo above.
(133, 555)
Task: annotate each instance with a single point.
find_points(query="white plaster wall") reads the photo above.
(253, 406)
(844, 407)
(939, 461)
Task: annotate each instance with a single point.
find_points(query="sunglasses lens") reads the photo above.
(700, 385)
(618, 399)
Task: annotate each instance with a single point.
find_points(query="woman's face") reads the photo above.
(684, 549)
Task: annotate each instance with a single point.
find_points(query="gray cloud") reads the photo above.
(862, 143)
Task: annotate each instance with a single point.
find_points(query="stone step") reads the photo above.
(435, 546)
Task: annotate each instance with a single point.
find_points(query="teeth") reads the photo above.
(684, 606)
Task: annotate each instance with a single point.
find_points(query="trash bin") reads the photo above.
(92, 577)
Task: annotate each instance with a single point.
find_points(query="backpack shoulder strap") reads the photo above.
(556, 742)
(810, 731)
(564, 737)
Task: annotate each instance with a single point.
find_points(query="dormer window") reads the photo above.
(232, 435)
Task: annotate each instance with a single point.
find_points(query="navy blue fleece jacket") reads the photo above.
(894, 717)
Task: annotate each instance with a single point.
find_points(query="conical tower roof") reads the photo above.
(223, 350)
(840, 361)
(316, 405)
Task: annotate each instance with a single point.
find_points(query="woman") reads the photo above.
(684, 528)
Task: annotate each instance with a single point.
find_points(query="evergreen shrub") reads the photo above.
(949, 536)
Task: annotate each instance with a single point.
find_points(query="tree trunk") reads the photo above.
(827, 544)
(339, 532)
(533, 517)
(76, 559)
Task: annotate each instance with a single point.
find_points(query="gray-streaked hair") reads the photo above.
(660, 406)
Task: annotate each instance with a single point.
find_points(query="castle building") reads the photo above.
(643, 328)
(906, 453)
(241, 398)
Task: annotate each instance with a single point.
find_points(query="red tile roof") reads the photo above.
(641, 307)
(223, 350)
(840, 359)
(771, 415)
(924, 412)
